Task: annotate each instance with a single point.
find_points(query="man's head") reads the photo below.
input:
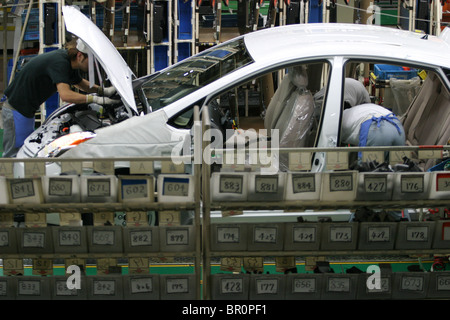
(80, 58)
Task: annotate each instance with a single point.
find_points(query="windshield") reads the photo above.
(194, 73)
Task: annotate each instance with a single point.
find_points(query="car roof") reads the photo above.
(330, 39)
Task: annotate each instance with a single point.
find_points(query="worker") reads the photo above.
(41, 77)
(370, 124)
(355, 93)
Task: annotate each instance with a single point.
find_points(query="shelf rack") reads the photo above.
(99, 208)
(301, 206)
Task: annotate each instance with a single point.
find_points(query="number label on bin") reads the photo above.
(59, 187)
(412, 283)
(134, 188)
(378, 234)
(178, 187)
(304, 285)
(141, 285)
(266, 184)
(443, 283)
(417, 233)
(33, 239)
(304, 234)
(104, 287)
(339, 284)
(228, 235)
(375, 184)
(412, 184)
(384, 286)
(231, 286)
(177, 237)
(29, 287)
(63, 290)
(141, 238)
(443, 182)
(267, 286)
(231, 184)
(341, 234)
(303, 183)
(265, 235)
(103, 237)
(341, 182)
(69, 238)
(177, 285)
(99, 188)
(22, 188)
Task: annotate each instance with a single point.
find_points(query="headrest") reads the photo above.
(298, 76)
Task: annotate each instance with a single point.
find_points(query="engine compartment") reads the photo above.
(71, 119)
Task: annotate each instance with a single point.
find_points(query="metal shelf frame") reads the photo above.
(209, 206)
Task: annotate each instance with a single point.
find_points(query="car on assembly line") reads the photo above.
(291, 77)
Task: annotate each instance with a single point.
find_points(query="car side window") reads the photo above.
(280, 104)
(408, 105)
(185, 118)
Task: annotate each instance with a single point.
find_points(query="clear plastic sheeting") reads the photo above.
(404, 92)
(277, 103)
(140, 139)
(295, 123)
(291, 111)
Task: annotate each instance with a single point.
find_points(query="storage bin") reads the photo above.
(410, 285)
(377, 235)
(69, 239)
(385, 72)
(415, 235)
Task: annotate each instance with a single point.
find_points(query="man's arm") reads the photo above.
(68, 95)
(84, 86)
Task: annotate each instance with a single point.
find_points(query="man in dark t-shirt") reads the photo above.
(39, 79)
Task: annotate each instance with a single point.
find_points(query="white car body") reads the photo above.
(152, 135)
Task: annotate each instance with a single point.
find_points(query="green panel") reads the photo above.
(388, 17)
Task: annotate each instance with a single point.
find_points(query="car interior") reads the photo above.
(291, 100)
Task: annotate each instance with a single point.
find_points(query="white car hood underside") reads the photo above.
(112, 62)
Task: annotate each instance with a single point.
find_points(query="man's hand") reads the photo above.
(101, 100)
(106, 92)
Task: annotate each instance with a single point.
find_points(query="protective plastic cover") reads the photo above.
(291, 112)
(404, 92)
(136, 135)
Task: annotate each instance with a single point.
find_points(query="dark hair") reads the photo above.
(72, 52)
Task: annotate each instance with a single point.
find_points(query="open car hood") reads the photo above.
(104, 51)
